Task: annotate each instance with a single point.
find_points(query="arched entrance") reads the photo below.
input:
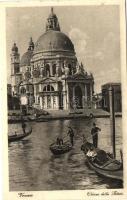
(78, 97)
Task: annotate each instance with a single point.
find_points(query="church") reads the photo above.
(48, 74)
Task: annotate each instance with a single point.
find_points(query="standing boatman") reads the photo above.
(94, 133)
(71, 135)
(23, 126)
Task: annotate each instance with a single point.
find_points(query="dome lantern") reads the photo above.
(31, 45)
(52, 22)
(14, 48)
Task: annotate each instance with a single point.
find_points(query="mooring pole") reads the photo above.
(112, 118)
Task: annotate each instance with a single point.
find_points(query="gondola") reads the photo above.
(100, 161)
(60, 149)
(103, 164)
(17, 137)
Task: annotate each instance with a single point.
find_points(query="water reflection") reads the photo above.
(33, 167)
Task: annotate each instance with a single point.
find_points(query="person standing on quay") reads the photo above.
(94, 133)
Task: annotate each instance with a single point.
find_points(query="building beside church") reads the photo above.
(106, 96)
(48, 74)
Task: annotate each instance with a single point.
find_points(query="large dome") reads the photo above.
(53, 41)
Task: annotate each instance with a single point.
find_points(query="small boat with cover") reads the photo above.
(20, 136)
(60, 149)
(102, 163)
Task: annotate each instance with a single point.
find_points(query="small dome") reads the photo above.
(14, 48)
(26, 58)
(53, 41)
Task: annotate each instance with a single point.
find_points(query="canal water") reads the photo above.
(32, 167)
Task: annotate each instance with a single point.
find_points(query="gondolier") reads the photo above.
(94, 133)
(23, 126)
(71, 135)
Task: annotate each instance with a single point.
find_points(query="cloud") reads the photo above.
(99, 55)
(80, 40)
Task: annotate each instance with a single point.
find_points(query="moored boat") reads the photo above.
(102, 163)
(20, 136)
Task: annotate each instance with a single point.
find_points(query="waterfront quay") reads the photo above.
(15, 115)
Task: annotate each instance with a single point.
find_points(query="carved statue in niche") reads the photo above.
(82, 68)
(42, 69)
(65, 63)
(63, 70)
(48, 73)
(66, 69)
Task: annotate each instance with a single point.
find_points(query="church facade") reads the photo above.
(49, 74)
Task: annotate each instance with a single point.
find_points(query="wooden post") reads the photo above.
(112, 118)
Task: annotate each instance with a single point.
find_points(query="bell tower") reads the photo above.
(31, 45)
(15, 69)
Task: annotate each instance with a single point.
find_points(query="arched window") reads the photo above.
(44, 89)
(23, 90)
(54, 69)
(52, 88)
(47, 70)
(48, 88)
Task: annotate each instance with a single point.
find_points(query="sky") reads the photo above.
(94, 31)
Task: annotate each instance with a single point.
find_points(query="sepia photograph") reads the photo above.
(64, 97)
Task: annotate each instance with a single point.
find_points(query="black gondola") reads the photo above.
(17, 137)
(103, 165)
(60, 149)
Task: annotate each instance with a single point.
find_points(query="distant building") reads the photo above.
(9, 89)
(12, 101)
(117, 97)
(49, 74)
(97, 100)
(9, 96)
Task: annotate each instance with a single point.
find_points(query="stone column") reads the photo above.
(65, 101)
(41, 102)
(85, 95)
(83, 101)
(57, 102)
(74, 103)
(51, 71)
(35, 93)
(91, 94)
(45, 100)
(67, 97)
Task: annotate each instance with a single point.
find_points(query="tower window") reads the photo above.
(47, 70)
(16, 69)
(23, 90)
(70, 69)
